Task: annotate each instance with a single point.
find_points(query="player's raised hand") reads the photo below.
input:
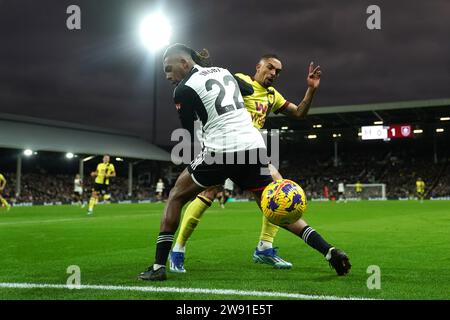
(313, 79)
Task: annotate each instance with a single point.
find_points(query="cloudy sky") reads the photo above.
(102, 76)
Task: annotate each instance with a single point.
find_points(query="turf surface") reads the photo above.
(409, 241)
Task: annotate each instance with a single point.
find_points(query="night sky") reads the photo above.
(101, 75)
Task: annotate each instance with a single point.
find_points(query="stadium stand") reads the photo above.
(337, 154)
(398, 170)
(46, 179)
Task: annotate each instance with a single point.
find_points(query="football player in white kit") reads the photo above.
(341, 192)
(213, 95)
(264, 100)
(227, 192)
(78, 190)
(159, 189)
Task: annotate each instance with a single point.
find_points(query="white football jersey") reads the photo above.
(159, 187)
(213, 95)
(77, 185)
(228, 185)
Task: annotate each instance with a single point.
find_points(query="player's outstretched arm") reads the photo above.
(301, 110)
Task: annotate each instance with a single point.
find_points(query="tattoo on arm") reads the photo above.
(301, 107)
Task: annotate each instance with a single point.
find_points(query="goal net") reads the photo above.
(370, 191)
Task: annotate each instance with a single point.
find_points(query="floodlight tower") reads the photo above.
(155, 31)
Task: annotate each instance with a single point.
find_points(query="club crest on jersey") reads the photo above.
(406, 130)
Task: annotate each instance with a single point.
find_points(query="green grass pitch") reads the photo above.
(409, 241)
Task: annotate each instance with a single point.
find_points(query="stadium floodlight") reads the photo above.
(317, 126)
(155, 31)
(88, 158)
(69, 155)
(418, 131)
(119, 159)
(28, 152)
(440, 130)
(378, 122)
(284, 128)
(336, 135)
(445, 118)
(312, 136)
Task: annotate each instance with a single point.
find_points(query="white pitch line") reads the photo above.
(81, 218)
(230, 292)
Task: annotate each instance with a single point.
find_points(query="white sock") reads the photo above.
(179, 248)
(264, 245)
(158, 266)
(328, 255)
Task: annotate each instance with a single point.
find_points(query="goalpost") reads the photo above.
(370, 191)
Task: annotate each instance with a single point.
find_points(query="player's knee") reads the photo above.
(210, 193)
(179, 195)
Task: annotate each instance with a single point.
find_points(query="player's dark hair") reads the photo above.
(199, 57)
(269, 56)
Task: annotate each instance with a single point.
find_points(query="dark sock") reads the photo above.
(163, 245)
(314, 240)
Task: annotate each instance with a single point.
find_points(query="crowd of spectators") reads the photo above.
(442, 187)
(44, 188)
(398, 171)
(399, 174)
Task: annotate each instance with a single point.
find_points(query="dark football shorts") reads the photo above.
(248, 169)
(101, 188)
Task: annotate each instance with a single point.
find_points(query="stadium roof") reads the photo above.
(416, 112)
(21, 132)
(383, 106)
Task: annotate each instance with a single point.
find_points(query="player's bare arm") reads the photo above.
(313, 81)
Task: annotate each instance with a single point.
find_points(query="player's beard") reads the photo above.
(269, 81)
